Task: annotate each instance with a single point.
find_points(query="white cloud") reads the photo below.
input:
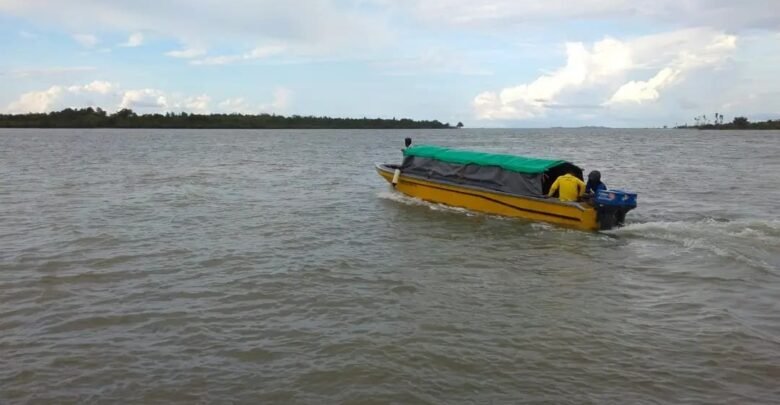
(86, 40)
(640, 91)
(155, 101)
(700, 54)
(584, 67)
(606, 68)
(111, 96)
(236, 105)
(256, 53)
(614, 74)
(101, 87)
(98, 87)
(134, 40)
(60, 97)
(198, 104)
(187, 53)
(143, 99)
(35, 101)
(282, 100)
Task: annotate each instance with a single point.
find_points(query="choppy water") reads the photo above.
(277, 267)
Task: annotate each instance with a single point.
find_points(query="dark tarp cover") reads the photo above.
(506, 173)
(490, 177)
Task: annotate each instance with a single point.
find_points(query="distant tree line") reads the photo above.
(125, 118)
(702, 122)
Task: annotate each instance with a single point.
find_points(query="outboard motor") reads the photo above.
(612, 206)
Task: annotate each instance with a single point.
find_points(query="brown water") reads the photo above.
(165, 266)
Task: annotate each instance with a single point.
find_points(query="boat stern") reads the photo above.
(612, 207)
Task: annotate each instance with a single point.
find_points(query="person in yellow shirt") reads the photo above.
(569, 188)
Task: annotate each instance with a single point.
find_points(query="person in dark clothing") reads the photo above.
(594, 184)
(407, 144)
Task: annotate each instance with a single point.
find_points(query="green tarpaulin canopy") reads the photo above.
(513, 163)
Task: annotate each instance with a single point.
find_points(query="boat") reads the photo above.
(505, 185)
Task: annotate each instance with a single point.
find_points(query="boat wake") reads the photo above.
(752, 242)
(761, 230)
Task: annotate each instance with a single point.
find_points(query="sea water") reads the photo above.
(195, 266)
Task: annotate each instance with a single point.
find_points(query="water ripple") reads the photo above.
(276, 267)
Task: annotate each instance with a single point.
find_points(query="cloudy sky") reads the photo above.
(488, 63)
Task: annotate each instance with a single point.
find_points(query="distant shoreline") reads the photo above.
(97, 118)
(739, 123)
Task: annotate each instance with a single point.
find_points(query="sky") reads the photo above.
(486, 63)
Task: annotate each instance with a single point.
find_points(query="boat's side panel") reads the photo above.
(495, 203)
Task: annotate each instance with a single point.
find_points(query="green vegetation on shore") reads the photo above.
(738, 123)
(98, 118)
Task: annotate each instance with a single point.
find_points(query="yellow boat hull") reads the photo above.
(571, 215)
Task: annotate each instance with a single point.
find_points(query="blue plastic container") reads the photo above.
(616, 198)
